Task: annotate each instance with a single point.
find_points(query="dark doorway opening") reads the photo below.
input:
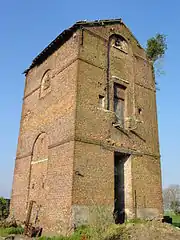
(119, 187)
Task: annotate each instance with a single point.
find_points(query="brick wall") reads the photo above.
(95, 130)
(43, 171)
(73, 170)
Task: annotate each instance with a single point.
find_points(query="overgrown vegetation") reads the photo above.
(134, 229)
(136, 221)
(10, 226)
(156, 47)
(89, 233)
(3, 208)
(11, 230)
(155, 50)
(148, 230)
(81, 233)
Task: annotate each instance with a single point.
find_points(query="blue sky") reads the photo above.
(26, 27)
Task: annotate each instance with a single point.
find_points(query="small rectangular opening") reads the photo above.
(101, 101)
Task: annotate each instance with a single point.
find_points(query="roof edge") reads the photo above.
(66, 34)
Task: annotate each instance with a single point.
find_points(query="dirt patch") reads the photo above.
(144, 231)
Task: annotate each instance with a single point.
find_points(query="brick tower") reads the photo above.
(88, 134)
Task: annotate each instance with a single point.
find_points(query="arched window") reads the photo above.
(40, 148)
(120, 43)
(45, 83)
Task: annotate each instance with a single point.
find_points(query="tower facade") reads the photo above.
(88, 135)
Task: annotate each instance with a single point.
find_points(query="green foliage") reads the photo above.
(81, 233)
(53, 238)
(136, 221)
(112, 231)
(175, 218)
(2, 201)
(3, 208)
(12, 230)
(156, 47)
(116, 232)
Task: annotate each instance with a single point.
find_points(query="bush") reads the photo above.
(15, 230)
(11, 230)
(156, 47)
(3, 208)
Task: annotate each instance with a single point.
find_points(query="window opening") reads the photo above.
(140, 111)
(119, 103)
(121, 44)
(101, 101)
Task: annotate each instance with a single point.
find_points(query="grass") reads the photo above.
(89, 233)
(133, 229)
(102, 229)
(175, 218)
(82, 233)
(136, 221)
(112, 231)
(11, 230)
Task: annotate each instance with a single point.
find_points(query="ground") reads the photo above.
(146, 231)
(134, 230)
(129, 231)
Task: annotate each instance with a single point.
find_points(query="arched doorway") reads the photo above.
(37, 181)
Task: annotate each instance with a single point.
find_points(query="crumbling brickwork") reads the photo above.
(70, 132)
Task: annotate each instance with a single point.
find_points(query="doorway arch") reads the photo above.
(38, 178)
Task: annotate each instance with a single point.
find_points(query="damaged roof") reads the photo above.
(64, 36)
